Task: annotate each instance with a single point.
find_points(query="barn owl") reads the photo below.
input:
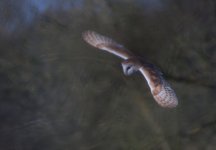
(160, 89)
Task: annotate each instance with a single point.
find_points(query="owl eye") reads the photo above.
(130, 70)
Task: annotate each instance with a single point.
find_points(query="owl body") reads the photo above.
(162, 92)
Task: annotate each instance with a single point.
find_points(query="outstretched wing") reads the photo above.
(107, 44)
(161, 90)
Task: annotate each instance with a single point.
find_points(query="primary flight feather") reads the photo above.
(160, 89)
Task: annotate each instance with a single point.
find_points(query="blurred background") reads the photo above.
(59, 93)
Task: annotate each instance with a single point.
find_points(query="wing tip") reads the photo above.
(95, 39)
(170, 102)
(90, 37)
(87, 33)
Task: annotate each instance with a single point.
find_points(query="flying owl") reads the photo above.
(160, 89)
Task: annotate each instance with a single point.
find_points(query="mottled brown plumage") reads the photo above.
(160, 89)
